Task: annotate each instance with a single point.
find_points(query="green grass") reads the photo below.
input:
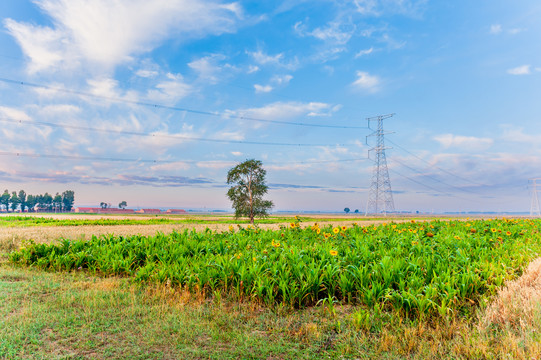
(417, 269)
(82, 314)
(33, 221)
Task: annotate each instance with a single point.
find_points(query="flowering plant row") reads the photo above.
(419, 268)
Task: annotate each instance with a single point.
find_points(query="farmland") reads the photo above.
(292, 288)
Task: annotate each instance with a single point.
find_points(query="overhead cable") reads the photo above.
(174, 108)
(153, 135)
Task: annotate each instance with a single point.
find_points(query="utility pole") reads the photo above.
(534, 207)
(380, 196)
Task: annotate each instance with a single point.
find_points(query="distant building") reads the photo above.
(176, 211)
(87, 210)
(149, 211)
(99, 210)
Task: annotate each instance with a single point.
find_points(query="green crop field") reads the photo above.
(369, 283)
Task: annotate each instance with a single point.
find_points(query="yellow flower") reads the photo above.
(344, 228)
(333, 252)
(231, 228)
(413, 221)
(239, 255)
(493, 230)
(318, 231)
(336, 230)
(414, 243)
(327, 235)
(457, 237)
(277, 244)
(394, 226)
(254, 259)
(292, 225)
(508, 233)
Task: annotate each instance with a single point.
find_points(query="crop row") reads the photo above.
(430, 268)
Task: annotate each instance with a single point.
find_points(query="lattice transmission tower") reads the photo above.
(380, 196)
(534, 207)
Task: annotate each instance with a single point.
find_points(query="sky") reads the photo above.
(152, 102)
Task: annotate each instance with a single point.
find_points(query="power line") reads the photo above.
(430, 187)
(174, 108)
(135, 133)
(432, 177)
(443, 170)
(95, 158)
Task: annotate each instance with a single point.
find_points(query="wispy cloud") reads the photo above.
(367, 82)
(335, 32)
(278, 60)
(495, 29)
(287, 110)
(262, 88)
(464, 142)
(364, 52)
(410, 8)
(520, 70)
(108, 33)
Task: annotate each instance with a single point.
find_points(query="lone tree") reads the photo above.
(347, 210)
(247, 194)
(122, 204)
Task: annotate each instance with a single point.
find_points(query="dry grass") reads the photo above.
(518, 304)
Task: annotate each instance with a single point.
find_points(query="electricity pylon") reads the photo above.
(380, 196)
(534, 207)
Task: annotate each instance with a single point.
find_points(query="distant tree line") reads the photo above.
(46, 202)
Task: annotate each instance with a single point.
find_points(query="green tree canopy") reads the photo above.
(4, 199)
(122, 204)
(14, 201)
(68, 198)
(248, 190)
(22, 200)
(347, 210)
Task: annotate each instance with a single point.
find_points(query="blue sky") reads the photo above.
(153, 101)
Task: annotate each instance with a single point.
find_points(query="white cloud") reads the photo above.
(264, 59)
(276, 60)
(60, 109)
(104, 87)
(170, 90)
(215, 164)
(208, 67)
(252, 69)
(520, 70)
(364, 52)
(336, 32)
(144, 73)
(262, 89)
(110, 32)
(410, 8)
(13, 113)
(286, 110)
(281, 79)
(464, 142)
(44, 46)
(236, 153)
(495, 29)
(368, 82)
(172, 166)
(515, 31)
